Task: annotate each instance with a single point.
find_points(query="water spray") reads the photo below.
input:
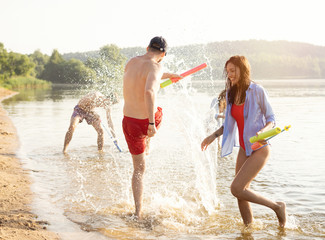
(111, 136)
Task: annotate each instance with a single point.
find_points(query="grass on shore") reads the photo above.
(20, 82)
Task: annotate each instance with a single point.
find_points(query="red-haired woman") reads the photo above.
(249, 111)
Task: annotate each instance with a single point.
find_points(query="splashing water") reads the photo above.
(186, 191)
(180, 186)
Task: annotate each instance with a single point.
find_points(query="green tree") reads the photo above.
(76, 72)
(15, 64)
(57, 70)
(40, 60)
(53, 70)
(112, 54)
(3, 62)
(108, 69)
(22, 64)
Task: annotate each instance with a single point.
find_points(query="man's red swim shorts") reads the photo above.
(135, 131)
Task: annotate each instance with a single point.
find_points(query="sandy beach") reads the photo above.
(16, 219)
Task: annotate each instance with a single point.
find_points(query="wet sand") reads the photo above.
(16, 219)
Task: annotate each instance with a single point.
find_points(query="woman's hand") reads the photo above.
(262, 141)
(207, 141)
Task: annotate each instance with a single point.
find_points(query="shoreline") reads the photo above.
(17, 222)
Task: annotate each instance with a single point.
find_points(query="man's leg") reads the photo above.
(100, 132)
(68, 136)
(137, 182)
(147, 151)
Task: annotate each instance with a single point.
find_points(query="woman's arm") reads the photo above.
(208, 140)
(268, 126)
(265, 105)
(267, 111)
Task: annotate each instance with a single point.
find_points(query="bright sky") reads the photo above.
(86, 25)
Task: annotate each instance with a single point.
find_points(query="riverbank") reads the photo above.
(17, 222)
(20, 82)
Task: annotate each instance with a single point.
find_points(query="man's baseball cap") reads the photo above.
(158, 43)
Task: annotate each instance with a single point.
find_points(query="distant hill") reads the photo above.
(268, 59)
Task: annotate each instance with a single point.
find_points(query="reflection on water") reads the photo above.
(57, 93)
(186, 193)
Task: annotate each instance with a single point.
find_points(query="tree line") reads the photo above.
(103, 70)
(268, 59)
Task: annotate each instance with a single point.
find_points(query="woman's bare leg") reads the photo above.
(244, 206)
(248, 171)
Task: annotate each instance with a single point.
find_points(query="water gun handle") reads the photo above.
(166, 83)
(117, 146)
(111, 136)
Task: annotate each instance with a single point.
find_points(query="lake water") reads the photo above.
(86, 194)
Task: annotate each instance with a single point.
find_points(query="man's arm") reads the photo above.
(109, 121)
(151, 89)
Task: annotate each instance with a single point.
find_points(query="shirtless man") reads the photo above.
(140, 86)
(85, 110)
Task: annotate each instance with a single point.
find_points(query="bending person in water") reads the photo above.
(85, 110)
(248, 108)
(141, 120)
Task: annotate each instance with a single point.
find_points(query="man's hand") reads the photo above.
(172, 75)
(151, 130)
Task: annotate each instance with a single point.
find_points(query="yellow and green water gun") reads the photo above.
(265, 136)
